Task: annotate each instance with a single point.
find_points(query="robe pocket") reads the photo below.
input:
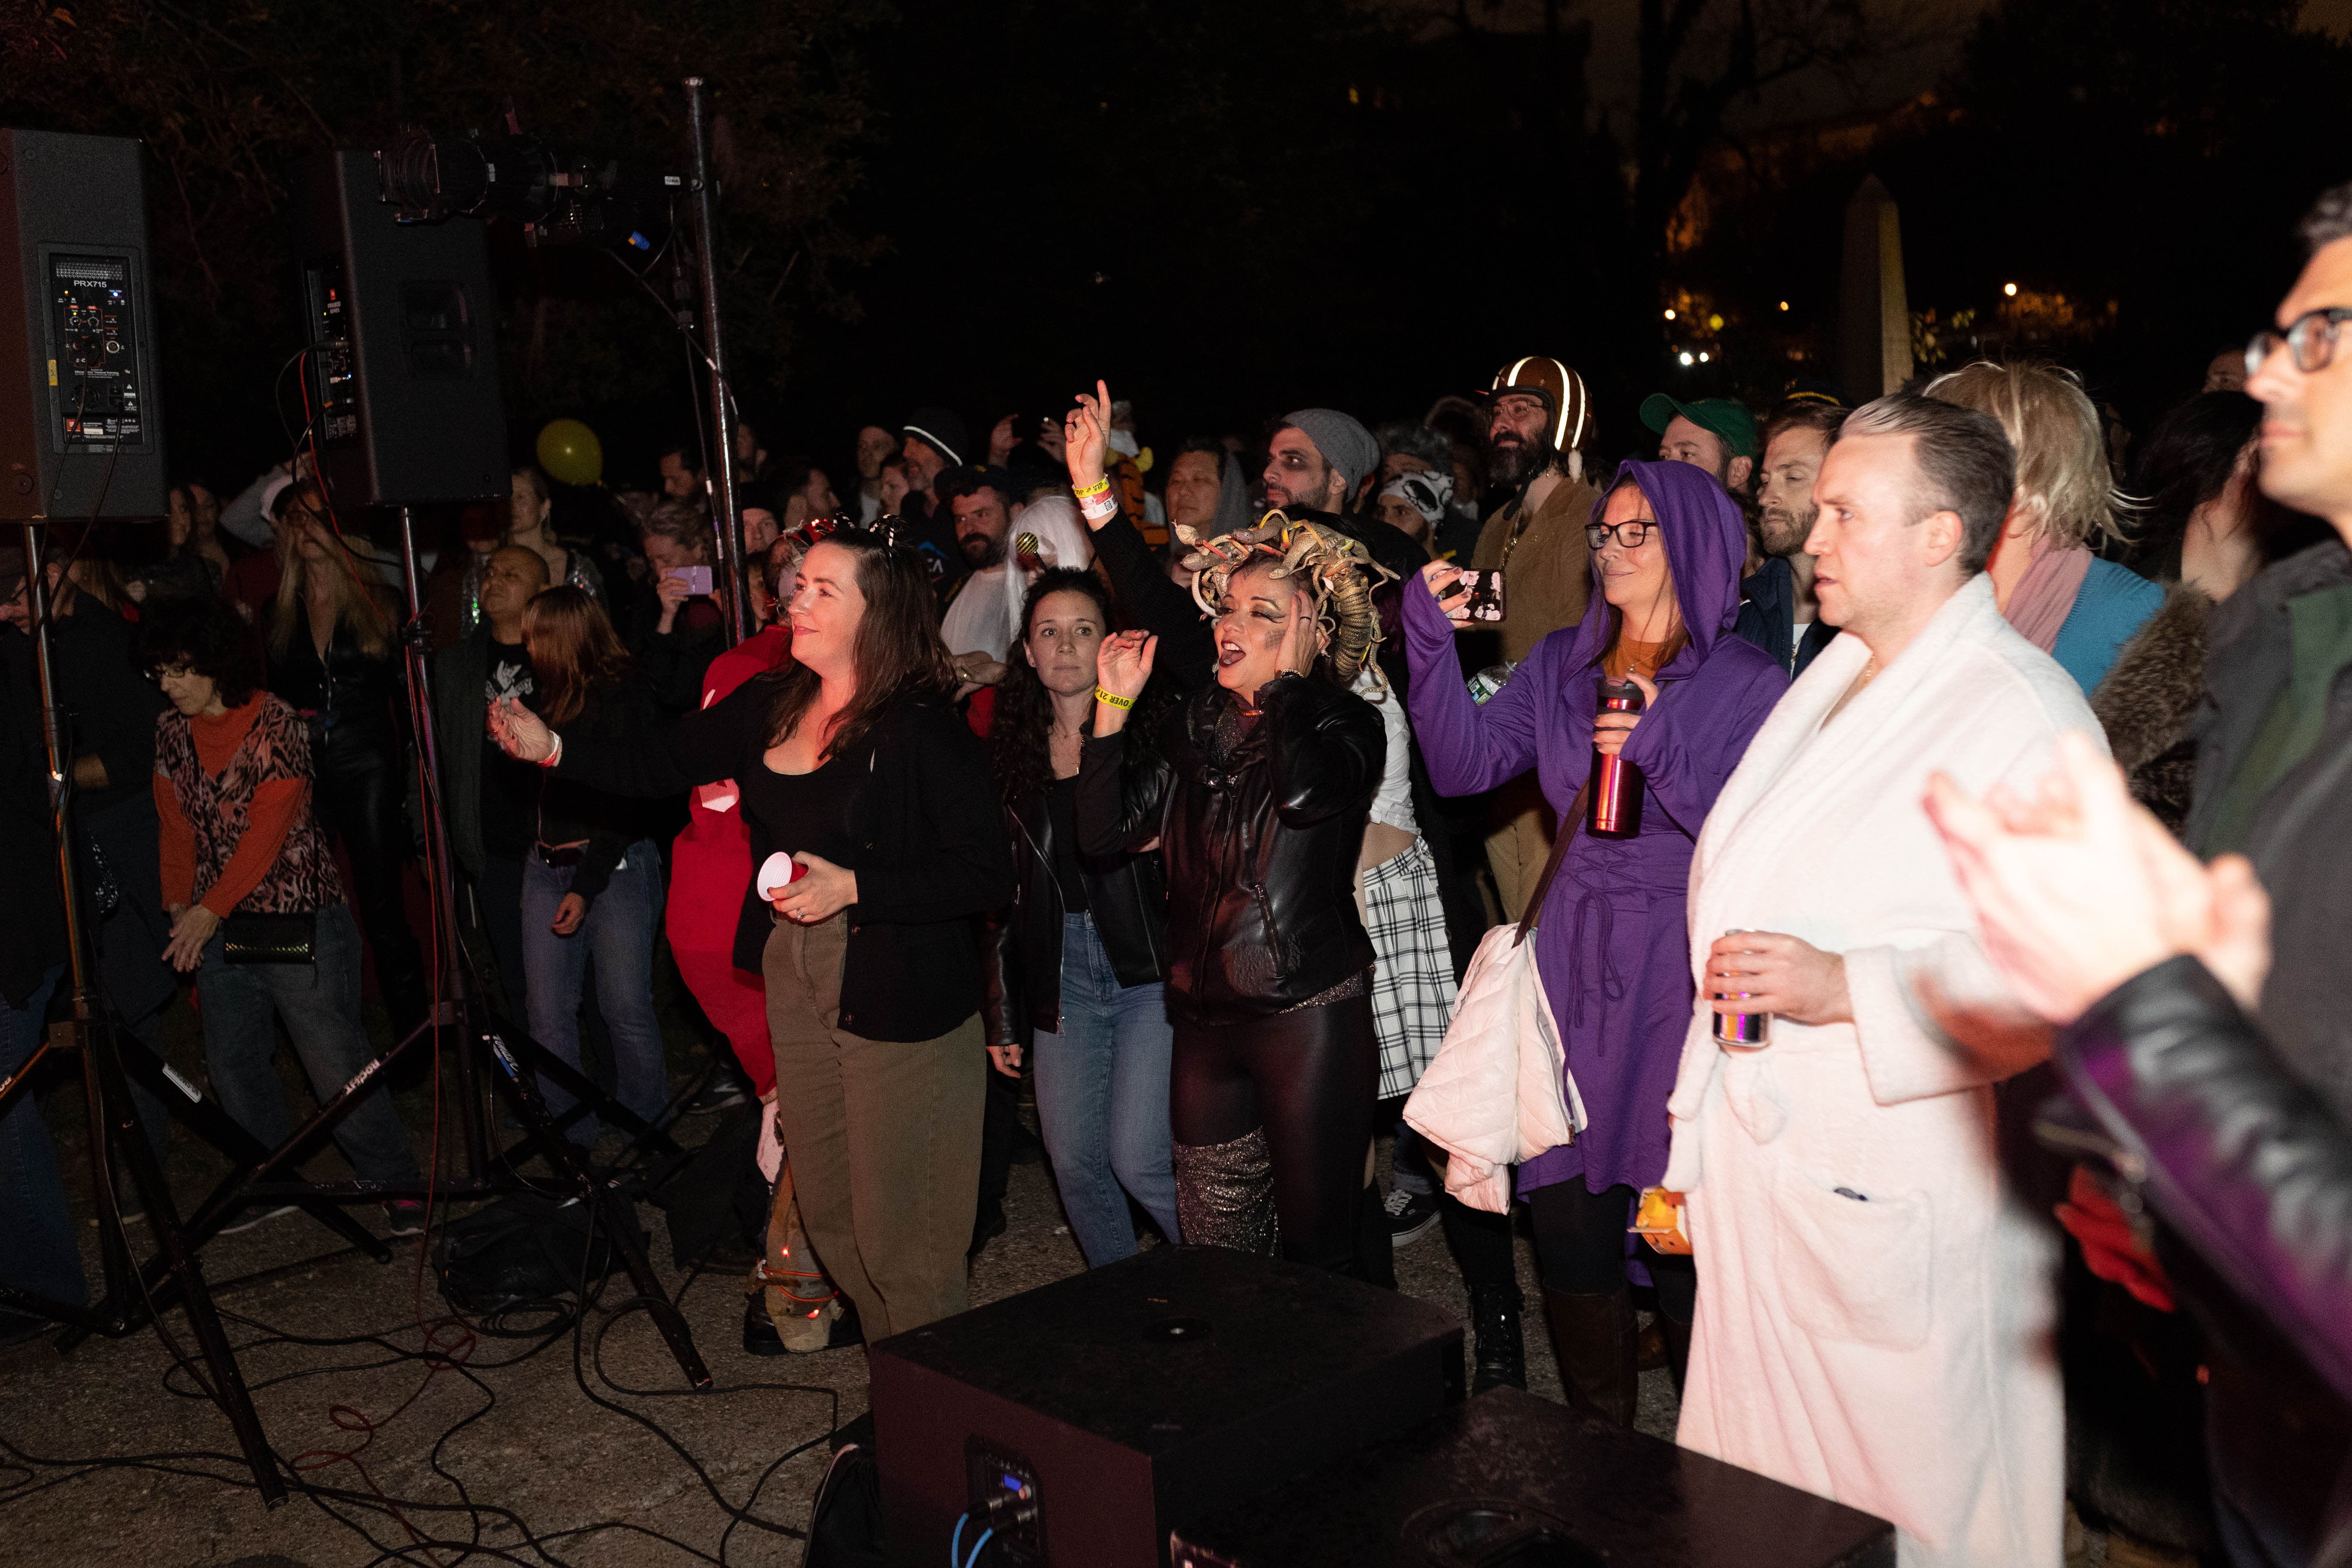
(1854, 1270)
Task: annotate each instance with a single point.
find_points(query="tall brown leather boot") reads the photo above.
(1592, 1339)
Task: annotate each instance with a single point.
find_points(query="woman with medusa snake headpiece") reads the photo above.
(1258, 797)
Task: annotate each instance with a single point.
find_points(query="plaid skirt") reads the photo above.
(1412, 973)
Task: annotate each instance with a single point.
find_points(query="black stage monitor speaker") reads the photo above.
(1509, 1480)
(1081, 1420)
(81, 425)
(404, 385)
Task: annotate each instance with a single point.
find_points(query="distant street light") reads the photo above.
(1686, 359)
(1784, 304)
(2009, 290)
(1670, 315)
(1702, 359)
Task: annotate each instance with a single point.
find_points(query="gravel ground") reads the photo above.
(510, 1445)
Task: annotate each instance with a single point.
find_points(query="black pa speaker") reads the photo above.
(1075, 1423)
(81, 424)
(404, 379)
(1509, 1480)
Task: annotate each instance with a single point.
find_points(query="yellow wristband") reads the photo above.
(1104, 694)
(1100, 487)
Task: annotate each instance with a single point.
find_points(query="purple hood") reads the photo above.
(1706, 548)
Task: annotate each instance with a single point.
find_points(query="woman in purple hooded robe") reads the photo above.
(1668, 547)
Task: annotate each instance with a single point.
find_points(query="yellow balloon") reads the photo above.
(571, 453)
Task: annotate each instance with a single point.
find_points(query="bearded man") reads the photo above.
(1778, 611)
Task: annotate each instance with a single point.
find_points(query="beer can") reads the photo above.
(1749, 1029)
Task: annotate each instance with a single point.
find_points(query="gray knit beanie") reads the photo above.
(1346, 444)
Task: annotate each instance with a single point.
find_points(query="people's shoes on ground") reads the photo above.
(985, 1228)
(1411, 1215)
(1592, 1340)
(718, 1095)
(1499, 1353)
(836, 1321)
(1650, 1345)
(403, 1216)
(252, 1215)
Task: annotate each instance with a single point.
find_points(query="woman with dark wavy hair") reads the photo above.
(1082, 951)
(857, 778)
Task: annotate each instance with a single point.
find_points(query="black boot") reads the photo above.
(1592, 1339)
(1678, 1337)
(1498, 1355)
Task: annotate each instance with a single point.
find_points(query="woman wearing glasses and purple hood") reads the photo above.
(1613, 947)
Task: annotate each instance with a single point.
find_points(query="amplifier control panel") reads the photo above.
(94, 374)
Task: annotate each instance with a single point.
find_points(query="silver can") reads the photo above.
(1748, 1029)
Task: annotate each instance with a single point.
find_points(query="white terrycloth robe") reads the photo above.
(1894, 1350)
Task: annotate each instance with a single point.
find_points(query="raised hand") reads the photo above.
(1123, 663)
(1304, 637)
(1085, 433)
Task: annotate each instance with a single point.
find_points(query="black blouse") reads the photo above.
(928, 846)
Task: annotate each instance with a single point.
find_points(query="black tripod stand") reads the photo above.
(135, 1296)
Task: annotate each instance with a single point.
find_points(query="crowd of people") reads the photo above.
(1850, 762)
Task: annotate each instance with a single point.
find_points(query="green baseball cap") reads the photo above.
(1727, 420)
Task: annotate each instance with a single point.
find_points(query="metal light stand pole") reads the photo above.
(705, 248)
(113, 1118)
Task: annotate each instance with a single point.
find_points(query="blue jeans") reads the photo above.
(619, 930)
(36, 1233)
(1102, 1099)
(320, 1003)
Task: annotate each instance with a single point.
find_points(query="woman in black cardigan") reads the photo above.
(854, 763)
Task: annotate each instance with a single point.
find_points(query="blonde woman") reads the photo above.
(334, 658)
(530, 511)
(2046, 576)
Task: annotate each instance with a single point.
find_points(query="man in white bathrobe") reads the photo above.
(1877, 1310)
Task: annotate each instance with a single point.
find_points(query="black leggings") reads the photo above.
(1310, 1078)
(1580, 1247)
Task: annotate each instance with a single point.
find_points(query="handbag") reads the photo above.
(1498, 1092)
(272, 938)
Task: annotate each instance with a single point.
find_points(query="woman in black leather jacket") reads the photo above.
(1082, 951)
(1259, 797)
(334, 658)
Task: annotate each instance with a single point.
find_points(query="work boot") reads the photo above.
(1592, 1339)
(1498, 1355)
(1224, 1194)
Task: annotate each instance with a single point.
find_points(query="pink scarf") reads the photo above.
(2044, 596)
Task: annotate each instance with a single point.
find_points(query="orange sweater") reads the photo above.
(268, 818)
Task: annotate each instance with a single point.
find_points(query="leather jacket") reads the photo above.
(1125, 893)
(353, 703)
(2252, 1170)
(1260, 830)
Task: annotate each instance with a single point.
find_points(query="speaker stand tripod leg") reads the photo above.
(619, 1226)
(130, 1143)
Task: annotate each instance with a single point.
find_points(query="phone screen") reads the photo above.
(698, 579)
(1485, 605)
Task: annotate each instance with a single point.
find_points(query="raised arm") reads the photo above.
(700, 748)
(1153, 603)
(1469, 747)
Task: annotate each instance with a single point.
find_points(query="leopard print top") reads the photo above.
(303, 876)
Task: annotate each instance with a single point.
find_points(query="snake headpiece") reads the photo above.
(1337, 570)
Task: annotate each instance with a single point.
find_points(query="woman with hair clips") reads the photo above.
(1259, 795)
(334, 658)
(853, 766)
(1082, 951)
(592, 884)
(2061, 597)
(1668, 549)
